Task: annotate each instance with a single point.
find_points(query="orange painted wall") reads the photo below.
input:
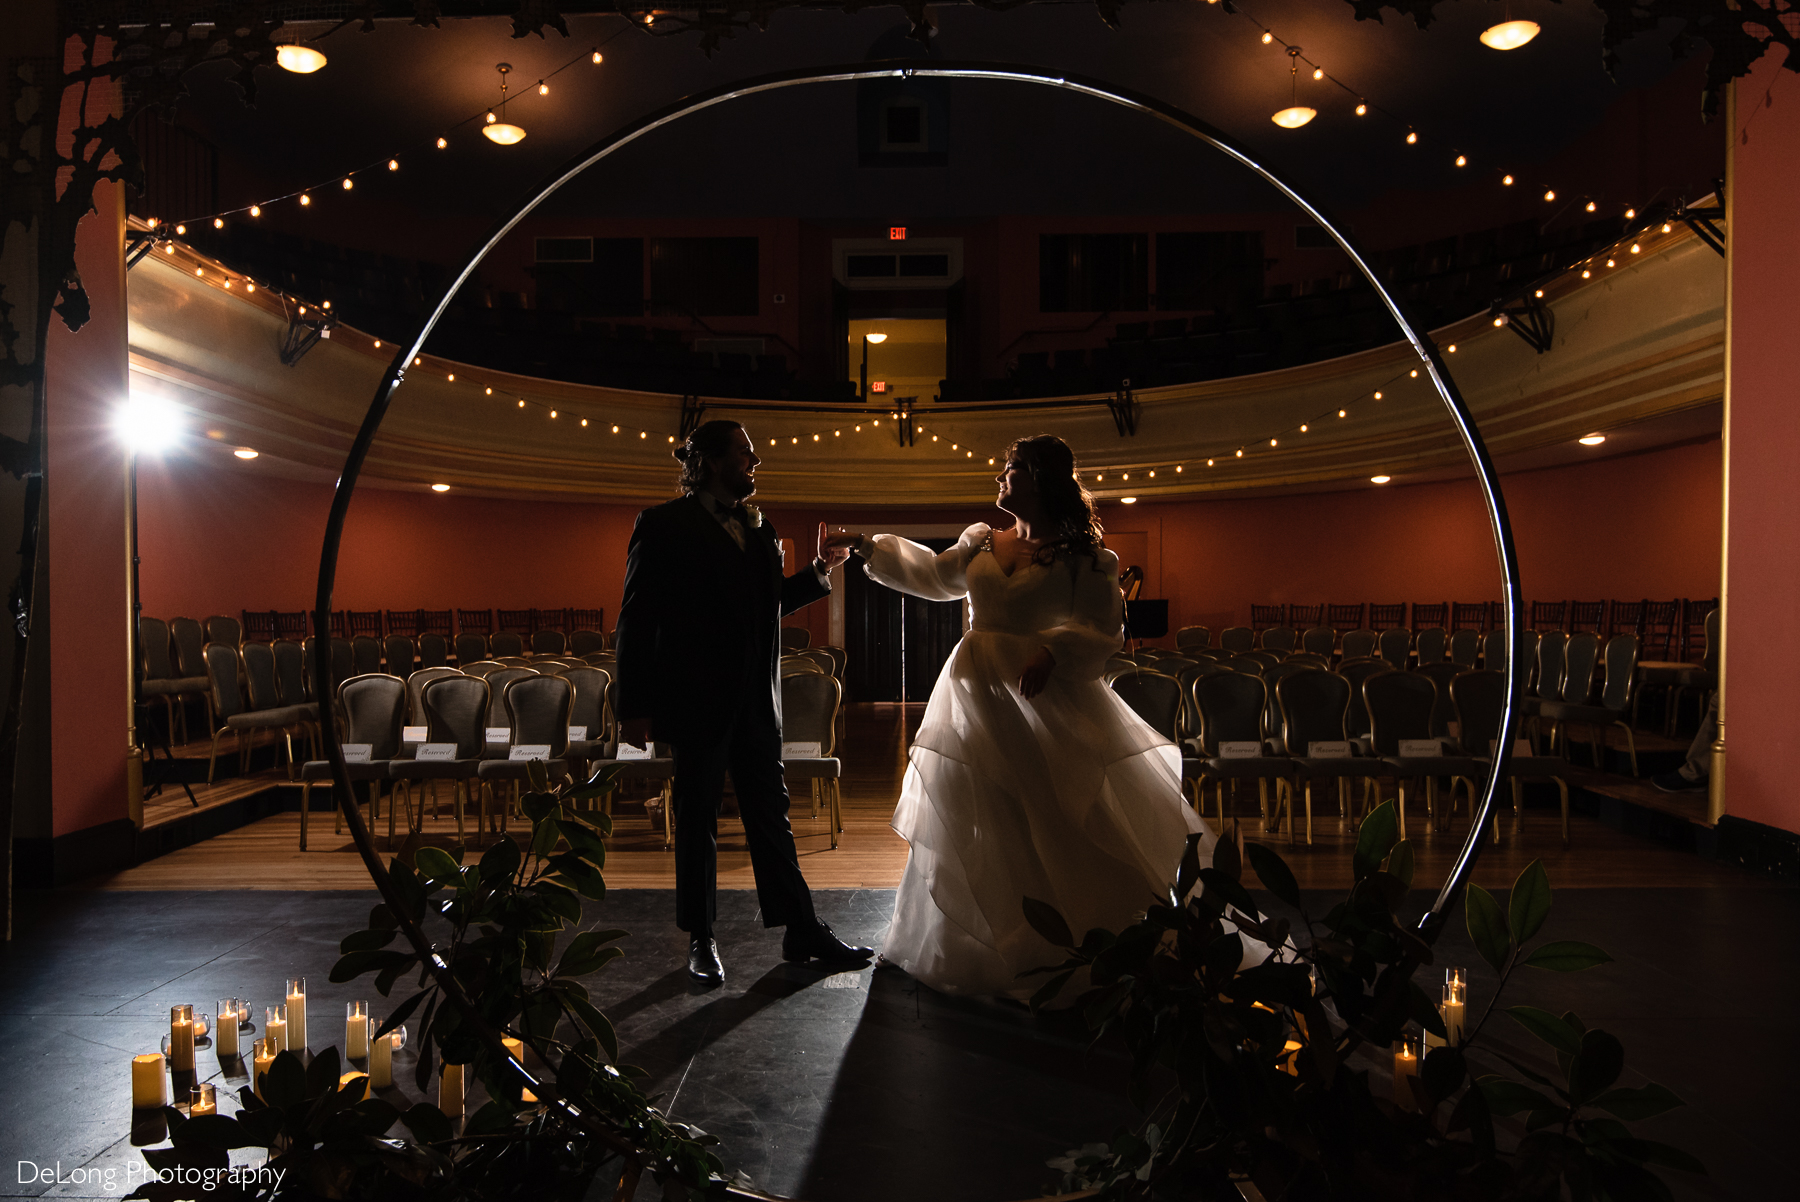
(1762, 641)
(1630, 527)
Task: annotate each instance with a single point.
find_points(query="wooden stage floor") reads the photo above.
(265, 854)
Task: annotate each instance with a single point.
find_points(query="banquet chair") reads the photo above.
(1702, 677)
(1307, 657)
(415, 692)
(290, 685)
(537, 714)
(1272, 676)
(1443, 714)
(481, 667)
(1319, 640)
(190, 660)
(1606, 712)
(1393, 645)
(365, 651)
(826, 661)
(231, 715)
(1356, 719)
(470, 646)
(497, 713)
(588, 714)
(1401, 705)
(586, 642)
(221, 629)
(1465, 648)
(839, 658)
(1230, 706)
(342, 662)
(1237, 638)
(1429, 645)
(1244, 663)
(1480, 700)
(161, 678)
(809, 708)
(1493, 650)
(1314, 707)
(262, 689)
(795, 638)
(456, 709)
(1278, 638)
(434, 650)
(1387, 616)
(1549, 668)
(548, 642)
(1360, 644)
(513, 661)
(800, 665)
(1190, 718)
(506, 643)
(1344, 615)
(399, 654)
(373, 709)
(1154, 697)
(1193, 638)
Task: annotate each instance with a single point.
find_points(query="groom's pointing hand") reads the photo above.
(834, 549)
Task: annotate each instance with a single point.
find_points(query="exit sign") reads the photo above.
(877, 385)
(896, 233)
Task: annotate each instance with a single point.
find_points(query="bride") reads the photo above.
(1029, 777)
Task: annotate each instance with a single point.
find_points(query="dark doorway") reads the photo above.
(893, 640)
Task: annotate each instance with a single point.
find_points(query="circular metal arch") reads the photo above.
(1431, 360)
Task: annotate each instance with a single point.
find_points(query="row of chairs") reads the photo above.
(267, 625)
(1665, 629)
(1396, 644)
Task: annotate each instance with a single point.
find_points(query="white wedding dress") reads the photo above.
(1068, 797)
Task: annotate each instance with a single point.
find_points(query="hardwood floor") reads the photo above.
(265, 854)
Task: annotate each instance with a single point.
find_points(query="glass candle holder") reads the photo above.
(1453, 1010)
(225, 1039)
(356, 1030)
(149, 1081)
(262, 1054)
(202, 1100)
(203, 1025)
(1456, 980)
(296, 1014)
(1406, 1066)
(181, 1038)
(275, 1026)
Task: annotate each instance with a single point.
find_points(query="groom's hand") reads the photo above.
(834, 549)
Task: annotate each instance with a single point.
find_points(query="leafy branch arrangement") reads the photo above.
(1264, 1075)
(506, 914)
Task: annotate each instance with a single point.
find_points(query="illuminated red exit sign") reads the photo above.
(877, 385)
(896, 233)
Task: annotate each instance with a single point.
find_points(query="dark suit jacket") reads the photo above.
(697, 635)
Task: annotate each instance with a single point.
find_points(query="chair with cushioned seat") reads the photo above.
(1401, 705)
(1314, 706)
(1480, 700)
(373, 707)
(1360, 644)
(1280, 639)
(434, 650)
(1319, 640)
(397, 650)
(231, 712)
(365, 654)
(839, 658)
(1231, 706)
(161, 679)
(1193, 638)
(1606, 712)
(1154, 697)
(537, 714)
(291, 686)
(228, 631)
(1465, 648)
(586, 642)
(588, 714)
(1546, 680)
(415, 692)
(1394, 644)
(503, 644)
(548, 642)
(1356, 719)
(1443, 714)
(470, 647)
(189, 638)
(1237, 639)
(1430, 644)
(456, 711)
(799, 665)
(809, 709)
(795, 638)
(498, 717)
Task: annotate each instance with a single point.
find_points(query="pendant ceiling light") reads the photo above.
(1509, 34)
(1296, 114)
(301, 60)
(497, 129)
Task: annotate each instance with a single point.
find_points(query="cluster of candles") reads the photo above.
(1409, 1052)
(284, 1029)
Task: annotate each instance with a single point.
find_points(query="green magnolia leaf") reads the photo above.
(559, 900)
(1231, 891)
(437, 866)
(1649, 1151)
(381, 918)
(597, 1023)
(538, 806)
(545, 838)
(1046, 921)
(1226, 857)
(1566, 955)
(1379, 831)
(1273, 872)
(1443, 1072)
(1505, 1097)
(491, 1119)
(1400, 863)
(1471, 1113)
(367, 941)
(218, 1131)
(588, 951)
(540, 945)
(1487, 927)
(1633, 1105)
(1424, 1011)
(322, 1073)
(1547, 1027)
(1049, 989)
(583, 840)
(501, 860)
(1529, 903)
(355, 964)
(284, 1086)
(428, 1124)
(1595, 1066)
(374, 1116)
(401, 1013)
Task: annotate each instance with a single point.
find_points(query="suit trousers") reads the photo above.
(750, 749)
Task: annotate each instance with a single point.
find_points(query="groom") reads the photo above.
(698, 648)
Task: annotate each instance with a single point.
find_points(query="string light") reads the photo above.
(1362, 109)
(1462, 160)
(543, 88)
(1412, 137)
(1378, 394)
(256, 210)
(1549, 194)
(305, 199)
(181, 229)
(443, 143)
(1590, 206)
(348, 183)
(218, 223)
(597, 58)
(1507, 180)
(393, 164)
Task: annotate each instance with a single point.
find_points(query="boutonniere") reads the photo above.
(755, 515)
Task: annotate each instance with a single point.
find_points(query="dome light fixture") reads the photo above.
(440, 488)
(1509, 35)
(301, 60)
(1128, 500)
(245, 453)
(1379, 479)
(1296, 114)
(498, 130)
(1591, 440)
(877, 339)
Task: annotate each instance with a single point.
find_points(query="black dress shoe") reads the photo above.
(704, 964)
(815, 941)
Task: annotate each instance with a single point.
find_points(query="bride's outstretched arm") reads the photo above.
(920, 571)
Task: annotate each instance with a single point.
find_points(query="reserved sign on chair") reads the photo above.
(1244, 749)
(529, 751)
(499, 734)
(412, 734)
(437, 751)
(1418, 749)
(802, 751)
(357, 753)
(1322, 750)
(628, 752)
(577, 733)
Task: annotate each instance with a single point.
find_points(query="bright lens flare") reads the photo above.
(147, 423)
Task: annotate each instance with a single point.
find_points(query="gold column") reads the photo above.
(1715, 780)
(134, 754)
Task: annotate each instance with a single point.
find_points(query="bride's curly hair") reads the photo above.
(1069, 511)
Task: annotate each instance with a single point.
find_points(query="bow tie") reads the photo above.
(741, 514)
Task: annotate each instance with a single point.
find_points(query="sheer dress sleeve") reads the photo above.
(1094, 628)
(919, 571)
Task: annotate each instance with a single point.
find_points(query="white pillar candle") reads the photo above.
(296, 1014)
(275, 1027)
(355, 1077)
(263, 1056)
(1406, 1065)
(356, 1030)
(516, 1049)
(381, 1061)
(225, 1039)
(450, 1090)
(181, 1038)
(149, 1080)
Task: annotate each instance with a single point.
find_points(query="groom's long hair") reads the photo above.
(1068, 506)
(708, 441)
